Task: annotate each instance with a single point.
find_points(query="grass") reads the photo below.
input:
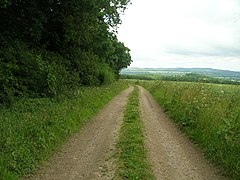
(209, 114)
(33, 129)
(132, 157)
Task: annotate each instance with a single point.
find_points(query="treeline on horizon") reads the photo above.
(51, 46)
(189, 77)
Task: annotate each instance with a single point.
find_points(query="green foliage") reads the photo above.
(209, 114)
(137, 76)
(33, 128)
(189, 77)
(120, 57)
(50, 46)
(34, 73)
(4, 3)
(132, 158)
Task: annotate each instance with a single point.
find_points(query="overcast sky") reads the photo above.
(186, 33)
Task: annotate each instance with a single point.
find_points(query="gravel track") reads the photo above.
(171, 154)
(89, 153)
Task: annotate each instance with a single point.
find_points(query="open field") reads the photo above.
(171, 153)
(138, 142)
(217, 73)
(209, 114)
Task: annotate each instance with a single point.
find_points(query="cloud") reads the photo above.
(200, 30)
(217, 51)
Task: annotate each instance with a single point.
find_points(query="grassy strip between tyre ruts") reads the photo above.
(132, 155)
(32, 129)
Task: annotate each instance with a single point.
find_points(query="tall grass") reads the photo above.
(32, 129)
(209, 114)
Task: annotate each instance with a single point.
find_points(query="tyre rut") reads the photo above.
(88, 154)
(171, 154)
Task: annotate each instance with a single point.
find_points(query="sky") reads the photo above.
(186, 33)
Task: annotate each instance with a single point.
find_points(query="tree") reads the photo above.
(71, 38)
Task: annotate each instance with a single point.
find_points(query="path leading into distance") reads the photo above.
(171, 154)
(90, 153)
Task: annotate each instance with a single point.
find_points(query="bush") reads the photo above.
(33, 73)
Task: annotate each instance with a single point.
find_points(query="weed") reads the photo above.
(33, 129)
(209, 114)
(132, 163)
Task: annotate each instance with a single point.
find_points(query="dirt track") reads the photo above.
(88, 155)
(171, 154)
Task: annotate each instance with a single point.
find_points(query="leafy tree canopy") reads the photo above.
(59, 44)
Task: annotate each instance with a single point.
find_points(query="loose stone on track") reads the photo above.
(171, 154)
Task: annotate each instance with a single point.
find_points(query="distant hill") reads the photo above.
(181, 71)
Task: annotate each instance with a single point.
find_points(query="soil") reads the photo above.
(89, 153)
(171, 154)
